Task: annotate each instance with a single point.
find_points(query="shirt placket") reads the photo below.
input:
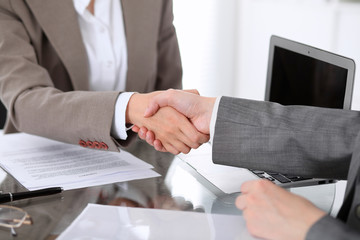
(105, 57)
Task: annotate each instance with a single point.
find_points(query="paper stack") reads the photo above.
(38, 162)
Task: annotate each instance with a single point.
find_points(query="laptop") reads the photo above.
(297, 74)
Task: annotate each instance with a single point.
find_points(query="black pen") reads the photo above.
(9, 197)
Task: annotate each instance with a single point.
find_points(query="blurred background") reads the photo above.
(224, 44)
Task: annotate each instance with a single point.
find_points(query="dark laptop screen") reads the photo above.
(302, 80)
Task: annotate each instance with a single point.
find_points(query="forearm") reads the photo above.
(308, 141)
(68, 117)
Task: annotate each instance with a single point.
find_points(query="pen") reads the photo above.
(9, 197)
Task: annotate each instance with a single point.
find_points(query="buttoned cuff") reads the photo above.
(213, 118)
(118, 128)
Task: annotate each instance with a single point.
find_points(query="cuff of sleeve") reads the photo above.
(213, 118)
(118, 128)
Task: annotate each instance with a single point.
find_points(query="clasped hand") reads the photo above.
(187, 128)
(164, 127)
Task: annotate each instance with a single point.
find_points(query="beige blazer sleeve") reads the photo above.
(44, 71)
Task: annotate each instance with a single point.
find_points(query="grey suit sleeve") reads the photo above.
(313, 142)
(331, 229)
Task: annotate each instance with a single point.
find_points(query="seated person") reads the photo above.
(69, 68)
(306, 141)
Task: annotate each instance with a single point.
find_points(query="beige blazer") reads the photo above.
(44, 67)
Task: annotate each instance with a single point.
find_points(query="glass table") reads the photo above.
(180, 188)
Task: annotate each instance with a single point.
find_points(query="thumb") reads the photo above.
(151, 109)
(160, 100)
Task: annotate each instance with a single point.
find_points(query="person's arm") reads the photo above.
(36, 106)
(323, 141)
(173, 129)
(300, 140)
(330, 228)
(188, 102)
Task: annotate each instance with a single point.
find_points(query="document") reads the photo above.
(112, 222)
(38, 162)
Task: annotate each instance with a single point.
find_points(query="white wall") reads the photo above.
(207, 39)
(329, 25)
(224, 43)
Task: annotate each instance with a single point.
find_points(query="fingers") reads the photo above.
(174, 131)
(150, 138)
(251, 187)
(142, 133)
(185, 136)
(174, 98)
(158, 146)
(146, 135)
(171, 149)
(267, 208)
(176, 146)
(192, 138)
(240, 202)
(246, 186)
(135, 129)
(193, 91)
(160, 100)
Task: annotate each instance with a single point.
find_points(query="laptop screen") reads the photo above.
(301, 80)
(302, 75)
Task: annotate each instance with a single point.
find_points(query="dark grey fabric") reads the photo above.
(330, 228)
(299, 140)
(2, 115)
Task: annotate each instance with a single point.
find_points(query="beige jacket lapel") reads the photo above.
(141, 30)
(59, 21)
(128, 9)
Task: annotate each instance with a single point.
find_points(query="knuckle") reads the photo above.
(261, 184)
(265, 184)
(186, 150)
(195, 138)
(251, 199)
(196, 146)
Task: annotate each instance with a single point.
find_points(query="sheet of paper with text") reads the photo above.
(38, 162)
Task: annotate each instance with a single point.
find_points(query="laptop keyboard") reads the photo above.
(282, 178)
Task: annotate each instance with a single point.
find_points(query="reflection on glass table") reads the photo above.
(180, 188)
(226, 180)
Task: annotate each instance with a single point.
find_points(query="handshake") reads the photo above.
(172, 121)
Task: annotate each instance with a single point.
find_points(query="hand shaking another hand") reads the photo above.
(177, 120)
